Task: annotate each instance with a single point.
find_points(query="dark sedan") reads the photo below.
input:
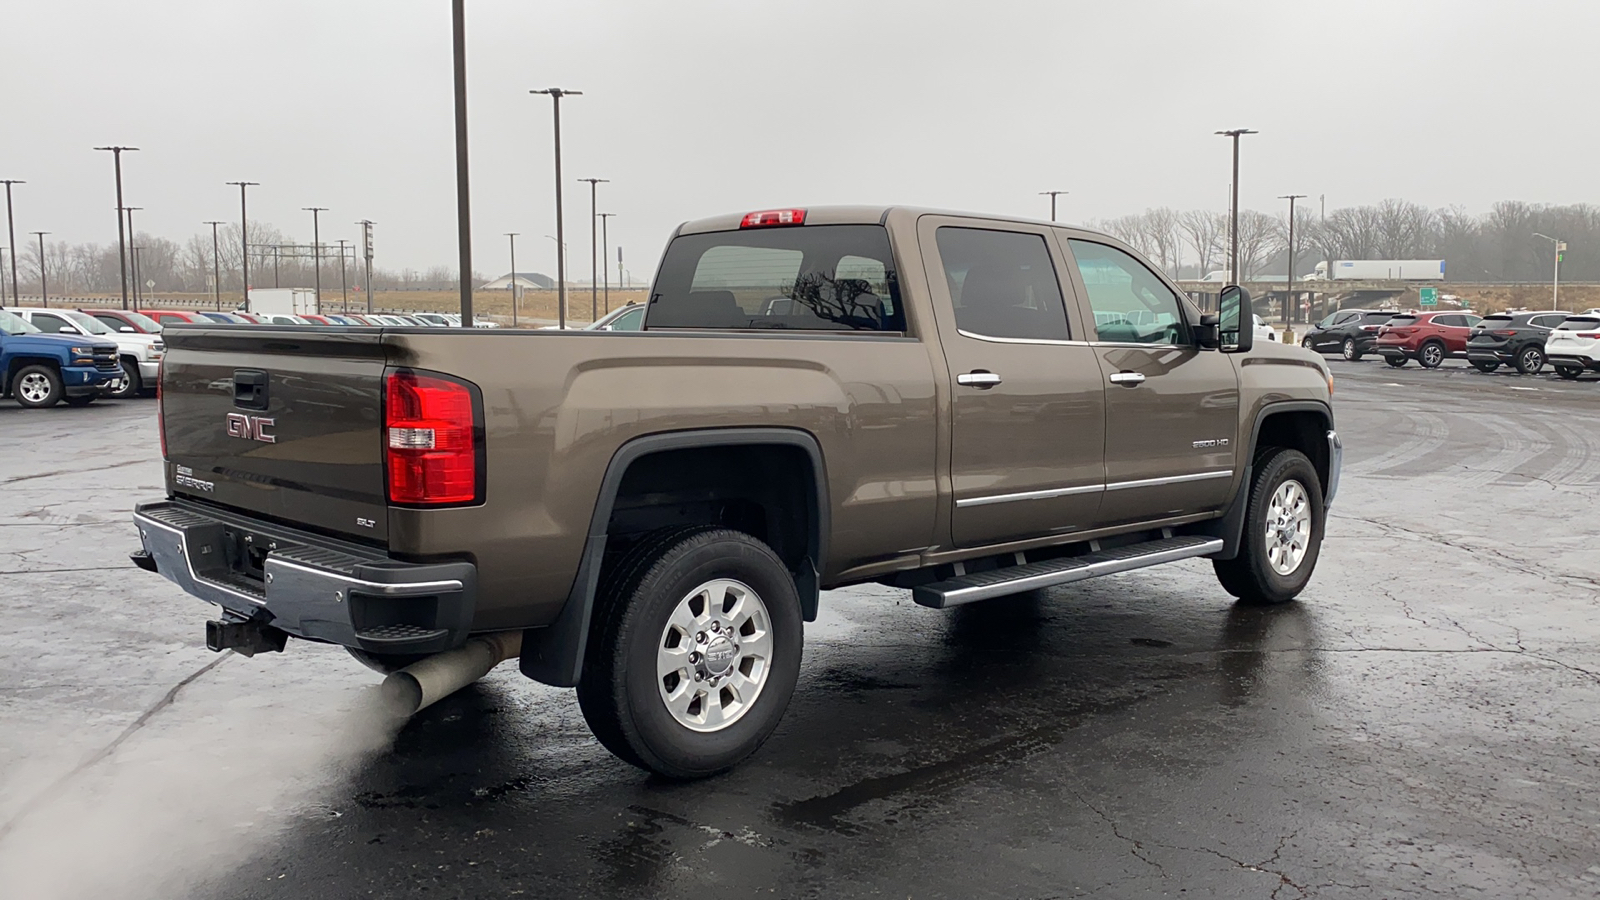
(1512, 339)
(1351, 333)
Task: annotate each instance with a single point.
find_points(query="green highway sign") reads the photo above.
(1430, 296)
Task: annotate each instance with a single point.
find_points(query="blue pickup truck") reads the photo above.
(42, 370)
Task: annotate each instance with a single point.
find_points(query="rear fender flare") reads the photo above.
(554, 654)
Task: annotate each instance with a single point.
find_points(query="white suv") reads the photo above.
(1573, 347)
(140, 354)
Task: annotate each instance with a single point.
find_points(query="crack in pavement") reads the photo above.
(1494, 554)
(55, 472)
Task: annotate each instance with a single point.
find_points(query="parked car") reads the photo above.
(1430, 338)
(441, 320)
(224, 318)
(175, 316)
(1574, 346)
(252, 318)
(41, 370)
(138, 354)
(1512, 339)
(125, 321)
(282, 319)
(1265, 332)
(623, 318)
(1351, 333)
(316, 319)
(654, 531)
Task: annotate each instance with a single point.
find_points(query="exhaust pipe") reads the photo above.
(427, 681)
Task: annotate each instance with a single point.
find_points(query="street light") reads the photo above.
(463, 195)
(44, 287)
(122, 253)
(1288, 294)
(133, 252)
(216, 267)
(316, 251)
(366, 254)
(605, 248)
(561, 258)
(1052, 195)
(344, 285)
(11, 229)
(513, 236)
(244, 243)
(594, 266)
(1555, 280)
(1233, 211)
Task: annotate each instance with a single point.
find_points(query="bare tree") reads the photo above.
(1203, 231)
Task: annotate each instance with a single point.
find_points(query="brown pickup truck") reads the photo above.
(964, 406)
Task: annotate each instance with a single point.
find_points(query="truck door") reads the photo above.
(1172, 409)
(1027, 418)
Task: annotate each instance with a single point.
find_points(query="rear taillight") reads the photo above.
(1504, 333)
(771, 217)
(1369, 328)
(161, 418)
(430, 440)
(1590, 335)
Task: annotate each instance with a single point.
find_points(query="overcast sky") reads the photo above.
(695, 107)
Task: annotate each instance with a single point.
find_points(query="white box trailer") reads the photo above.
(1381, 270)
(283, 301)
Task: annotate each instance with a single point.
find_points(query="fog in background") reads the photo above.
(697, 107)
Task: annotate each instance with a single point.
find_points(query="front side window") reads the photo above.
(809, 278)
(1131, 305)
(1002, 284)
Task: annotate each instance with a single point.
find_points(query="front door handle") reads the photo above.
(978, 378)
(1128, 378)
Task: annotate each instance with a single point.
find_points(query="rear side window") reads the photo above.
(1548, 321)
(48, 323)
(810, 278)
(1002, 284)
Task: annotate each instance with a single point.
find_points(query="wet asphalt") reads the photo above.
(1424, 721)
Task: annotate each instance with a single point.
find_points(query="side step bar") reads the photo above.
(1027, 577)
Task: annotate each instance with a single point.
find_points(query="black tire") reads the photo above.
(385, 663)
(80, 401)
(1250, 576)
(1349, 350)
(1570, 373)
(31, 378)
(619, 691)
(1306, 343)
(1395, 361)
(1484, 365)
(1530, 359)
(1431, 355)
(131, 383)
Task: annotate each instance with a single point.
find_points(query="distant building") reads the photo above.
(528, 281)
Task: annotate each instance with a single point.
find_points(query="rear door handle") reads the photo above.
(978, 378)
(1128, 378)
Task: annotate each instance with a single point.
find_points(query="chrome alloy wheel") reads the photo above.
(34, 387)
(714, 655)
(1288, 532)
(1432, 355)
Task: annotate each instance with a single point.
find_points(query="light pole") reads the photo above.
(216, 266)
(244, 244)
(561, 257)
(1052, 195)
(1233, 208)
(605, 248)
(366, 253)
(1555, 279)
(133, 253)
(1289, 291)
(44, 287)
(316, 248)
(594, 265)
(11, 230)
(463, 195)
(513, 236)
(344, 285)
(122, 253)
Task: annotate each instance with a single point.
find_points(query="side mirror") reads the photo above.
(1236, 320)
(69, 329)
(1207, 334)
(125, 329)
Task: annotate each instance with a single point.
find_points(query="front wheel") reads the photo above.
(1306, 343)
(1570, 373)
(37, 387)
(1282, 534)
(694, 652)
(131, 385)
(1349, 350)
(1530, 360)
(1485, 365)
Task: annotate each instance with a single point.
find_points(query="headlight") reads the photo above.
(83, 351)
(153, 351)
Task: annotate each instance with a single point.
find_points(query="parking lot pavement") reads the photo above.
(1421, 722)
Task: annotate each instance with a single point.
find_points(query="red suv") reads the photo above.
(175, 317)
(1430, 338)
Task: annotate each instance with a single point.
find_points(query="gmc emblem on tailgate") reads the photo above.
(252, 428)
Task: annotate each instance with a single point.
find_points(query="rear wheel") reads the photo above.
(37, 387)
(81, 400)
(1431, 355)
(131, 386)
(1348, 350)
(1570, 373)
(1530, 360)
(694, 652)
(1396, 361)
(1282, 534)
(1485, 365)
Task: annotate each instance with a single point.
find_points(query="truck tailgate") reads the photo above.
(284, 423)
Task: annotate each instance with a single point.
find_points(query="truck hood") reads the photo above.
(54, 343)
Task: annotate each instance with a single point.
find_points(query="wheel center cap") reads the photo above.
(719, 656)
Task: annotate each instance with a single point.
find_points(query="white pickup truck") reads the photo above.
(139, 354)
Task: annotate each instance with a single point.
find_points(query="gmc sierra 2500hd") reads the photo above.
(963, 405)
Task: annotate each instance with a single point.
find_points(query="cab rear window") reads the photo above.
(806, 278)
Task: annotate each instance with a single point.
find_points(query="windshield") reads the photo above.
(88, 323)
(11, 323)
